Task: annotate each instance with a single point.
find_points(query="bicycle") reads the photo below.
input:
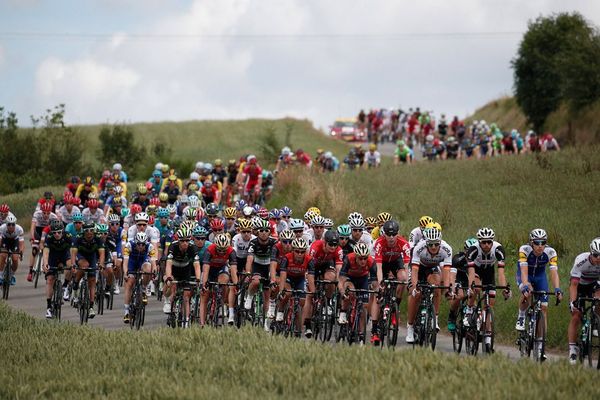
(458, 334)
(354, 331)
(390, 314)
(100, 290)
(137, 308)
(241, 314)
(37, 265)
(324, 311)
(588, 343)
(7, 275)
(84, 302)
(159, 279)
(476, 332)
(258, 311)
(292, 324)
(111, 292)
(533, 337)
(57, 300)
(176, 317)
(424, 327)
(215, 314)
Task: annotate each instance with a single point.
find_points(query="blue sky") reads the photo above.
(152, 60)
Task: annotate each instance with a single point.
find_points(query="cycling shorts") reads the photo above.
(297, 283)
(57, 258)
(213, 273)
(392, 266)
(323, 267)
(9, 245)
(424, 273)
(262, 270)
(487, 276)
(363, 284)
(182, 273)
(133, 267)
(585, 291)
(539, 282)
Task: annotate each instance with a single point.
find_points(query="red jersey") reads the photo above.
(385, 253)
(218, 260)
(352, 269)
(297, 270)
(303, 159)
(252, 171)
(317, 252)
(277, 254)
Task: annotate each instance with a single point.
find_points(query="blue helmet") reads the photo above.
(286, 211)
(77, 217)
(199, 232)
(275, 213)
(162, 213)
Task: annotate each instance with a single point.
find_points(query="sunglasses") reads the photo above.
(56, 232)
(264, 230)
(115, 223)
(141, 224)
(433, 244)
(318, 227)
(344, 238)
(230, 219)
(299, 251)
(363, 258)
(485, 242)
(286, 241)
(595, 255)
(78, 222)
(539, 242)
(297, 231)
(357, 230)
(246, 231)
(335, 244)
(184, 240)
(200, 237)
(10, 224)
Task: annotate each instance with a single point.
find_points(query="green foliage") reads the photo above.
(558, 61)
(512, 194)
(118, 144)
(269, 145)
(46, 358)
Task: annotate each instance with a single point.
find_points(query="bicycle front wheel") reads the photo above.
(488, 345)
(392, 326)
(593, 342)
(37, 269)
(6, 283)
(539, 337)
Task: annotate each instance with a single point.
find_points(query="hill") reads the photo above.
(583, 129)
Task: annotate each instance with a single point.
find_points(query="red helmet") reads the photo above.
(201, 213)
(76, 201)
(93, 203)
(4, 208)
(136, 209)
(151, 220)
(155, 201)
(217, 224)
(46, 207)
(263, 213)
(149, 185)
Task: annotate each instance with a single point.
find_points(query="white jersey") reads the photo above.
(583, 270)
(372, 158)
(95, 217)
(16, 234)
(281, 226)
(40, 221)
(476, 256)
(422, 257)
(7, 215)
(416, 235)
(152, 232)
(241, 246)
(65, 216)
(367, 239)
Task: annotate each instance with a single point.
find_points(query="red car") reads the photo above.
(347, 129)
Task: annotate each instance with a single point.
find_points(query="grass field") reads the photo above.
(512, 194)
(61, 361)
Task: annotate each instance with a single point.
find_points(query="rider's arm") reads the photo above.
(32, 230)
(101, 258)
(45, 254)
(197, 269)
(523, 267)
(553, 265)
(249, 262)
(74, 255)
(573, 289)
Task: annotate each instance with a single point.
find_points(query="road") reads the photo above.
(24, 297)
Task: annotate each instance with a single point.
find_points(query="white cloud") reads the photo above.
(210, 71)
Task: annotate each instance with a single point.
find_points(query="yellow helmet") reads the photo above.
(370, 222)
(424, 220)
(315, 210)
(163, 196)
(383, 217)
(244, 224)
(320, 151)
(229, 212)
(218, 162)
(372, 147)
(434, 225)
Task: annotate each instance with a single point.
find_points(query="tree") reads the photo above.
(117, 144)
(558, 61)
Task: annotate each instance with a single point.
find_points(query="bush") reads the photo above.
(117, 144)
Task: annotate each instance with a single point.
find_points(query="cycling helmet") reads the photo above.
(432, 235)
(328, 223)
(217, 224)
(124, 212)
(318, 220)
(46, 207)
(200, 232)
(229, 212)
(315, 210)
(89, 227)
(118, 189)
(208, 167)
(183, 233)
(55, 225)
(370, 222)
(190, 225)
(212, 209)
(286, 235)
(343, 230)
(263, 213)
(248, 211)
(113, 218)
(156, 173)
(162, 213)
(155, 201)
(221, 241)
(328, 155)
(595, 245)
(434, 225)
(142, 189)
(256, 208)
(354, 215)
(141, 217)
(191, 213)
(101, 229)
(424, 220)
(172, 208)
(194, 176)
(93, 203)
(309, 215)
(4, 208)
(296, 224)
(372, 147)
(299, 244)
(286, 151)
(162, 197)
(245, 224)
(361, 249)
(391, 228)
(400, 143)
(286, 211)
(141, 237)
(538, 234)
(151, 220)
(117, 167)
(240, 204)
(183, 199)
(218, 162)
(383, 217)
(470, 242)
(332, 238)
(136, 208)
(88, 181)
(11, 219)
(356, 223)
(78, 217)
(275, 213)
(262, 224)
(76, 201)
(486, 234)
(194, 201)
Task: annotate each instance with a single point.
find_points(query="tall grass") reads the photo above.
(23, 204)
(512, 194)
(60, 361)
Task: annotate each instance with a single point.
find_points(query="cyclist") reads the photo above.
(373, 157)
(171, 188)
(219, 265)
(87, 251)
(460, 264)
(403, 153)
(56, 253)
(328, 256)
(294, 268)
(182, 262)
(75, 228)
(85, 189)
(114, 252)
(217, 226)
(138, 255)
(118, 170)
(41, 219)
(282, 248)
(93, 213)
(156, 181)
(358, 233)
(318, 228)
(585, 282)
(428, 256)
(12, 244)
(251, 177)
(66, 211)
(416, 235)
(481, 258)
(358, 269)
(392, 254)
(230, 216)
(382, 218)
(344, 232)
(258, 263)
(241, 241)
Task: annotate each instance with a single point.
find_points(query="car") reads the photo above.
(347, 129)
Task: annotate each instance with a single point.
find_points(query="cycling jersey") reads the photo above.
(277, 253)
(323, 259)
(350, 267)
(202, 250)
(40, 221)
(416, 235)
(114, 242)
(88, 249)
(65, 216)
(241, 246)
(216, 259)
(152, 232)
(423, 258)
(95, 217)
(72, 230)
(537, 265)
(384, 253)
(297, 270)
(373, 158)
(58, 250)
(261, 251)
(138, 257)
(477, 258)
(182, 261)
(584, 272)
(460, 264)
(10, 240)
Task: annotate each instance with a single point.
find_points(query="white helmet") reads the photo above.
(317, 220)
(194, 176)
(538, 234)
(141, 237)
(429, 138)
(158, 166)
(199, 165)
(142, 217)
(354, 215)
(194, 201)
(356, 222)
(117, 167)
(286, 151)
(11, 219)
(296, 224)
(250, 157)
(595, 245)
(486, 234)
(432, 235)
(247, 211)
(171, 208)
(328, 155)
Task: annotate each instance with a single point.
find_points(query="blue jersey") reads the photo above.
(202, 251)
(71, 230)
(536, 265)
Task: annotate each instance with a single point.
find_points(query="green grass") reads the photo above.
(511, 194)
(56, 361)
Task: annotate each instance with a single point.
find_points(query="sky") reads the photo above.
(156, 60)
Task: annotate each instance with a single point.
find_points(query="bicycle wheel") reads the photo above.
(458, 333)
(432, 333)
(472, 337)
(258, 318)
(595, 341)
(488, 348)
(6, 283)
(217, 317)
(317, 318)
(84, 299)
(539, 337)
(288, 322)
(100, 294)
(139, 311)
(37, 269)
(392, 326)
(111, 296)
(133, 307)
(355, 329)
